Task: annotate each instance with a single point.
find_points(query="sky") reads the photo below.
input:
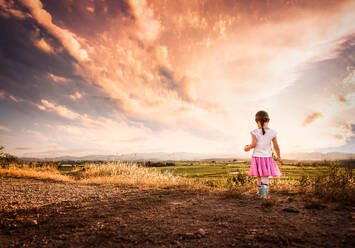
(128, 76)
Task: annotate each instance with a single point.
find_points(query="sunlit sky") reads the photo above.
(80, 77)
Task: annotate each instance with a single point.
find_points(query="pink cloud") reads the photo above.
(57, 79)
(16, 99)
(148, 26)
(59, 109)
(311, 118)
(68, 39)
(76, 96)
(44, 46)
(3, 128)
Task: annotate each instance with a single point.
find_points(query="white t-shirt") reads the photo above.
(263, 142)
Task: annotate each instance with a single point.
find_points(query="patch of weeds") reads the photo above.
(240, 179)
(336, 185)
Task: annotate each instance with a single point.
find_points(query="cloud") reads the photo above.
(350, 127)
(3, 128)
(15, 99)
(59, 109)
(76, 96)
(68, 39)
(311, 118)
(90, 9)
(57, 79)
(23, 148)
(7, 10)
(148, 26)
(44, 46)
(342, 99)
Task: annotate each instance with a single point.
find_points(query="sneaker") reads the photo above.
(263, 190)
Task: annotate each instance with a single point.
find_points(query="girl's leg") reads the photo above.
(258, 179)
(265, 182)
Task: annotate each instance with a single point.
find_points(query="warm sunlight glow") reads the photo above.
(175, 76)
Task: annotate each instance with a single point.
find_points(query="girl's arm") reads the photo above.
(252, 145)
(277, 149)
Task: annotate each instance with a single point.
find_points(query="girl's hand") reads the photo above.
(280, 160)
(246, 148)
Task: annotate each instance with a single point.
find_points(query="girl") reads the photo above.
(263, 165)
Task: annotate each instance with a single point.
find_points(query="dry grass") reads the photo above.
(128, 174)
(47, 172)
(115, 173)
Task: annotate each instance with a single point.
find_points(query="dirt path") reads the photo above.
(43, 213)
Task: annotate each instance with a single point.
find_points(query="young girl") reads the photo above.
(263, 165)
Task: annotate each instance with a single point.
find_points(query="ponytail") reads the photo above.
(262, 126)
(262, 117)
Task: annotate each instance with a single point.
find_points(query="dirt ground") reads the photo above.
(38, 213)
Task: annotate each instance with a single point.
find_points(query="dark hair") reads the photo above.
(263, 117)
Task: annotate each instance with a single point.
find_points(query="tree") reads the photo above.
(1, 151)
(6, 159)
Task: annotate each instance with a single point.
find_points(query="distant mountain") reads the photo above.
(154, 156)
(320, 156)
(179, 156)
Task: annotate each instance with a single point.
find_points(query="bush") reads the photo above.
(158, 164)
(240, 179)
(336, 185)
(6, 159)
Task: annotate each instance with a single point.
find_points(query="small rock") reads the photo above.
(201, 231)
(31, 222)
(178, 243)
(291, 209)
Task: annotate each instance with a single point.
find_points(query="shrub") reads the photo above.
(240, 179)
(336, 185)
(6, 159)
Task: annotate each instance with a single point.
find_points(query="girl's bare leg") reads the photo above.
(265, 181)
(259, 183)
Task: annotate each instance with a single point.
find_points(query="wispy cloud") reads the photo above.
(59, 109)
(3, 128)
(76, 96)
(23, 148)
(15, 99)
(311, 118)
(57, 79)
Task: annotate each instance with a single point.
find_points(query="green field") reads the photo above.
(220, 171)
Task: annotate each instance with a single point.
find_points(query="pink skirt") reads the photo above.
(263, 167)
